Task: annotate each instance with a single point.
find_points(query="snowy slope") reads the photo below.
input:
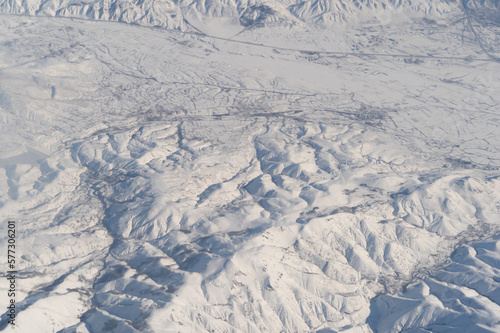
(293, 179)
(224, 15)
(461, 296)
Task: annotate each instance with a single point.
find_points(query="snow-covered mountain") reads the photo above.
(314, 166)
(199, 14)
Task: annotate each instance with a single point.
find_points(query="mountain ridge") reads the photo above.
(180, 14)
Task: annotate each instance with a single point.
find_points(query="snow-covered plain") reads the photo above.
(251, 169)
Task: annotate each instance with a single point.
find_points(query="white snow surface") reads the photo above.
(251, 167)
(211, 16)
